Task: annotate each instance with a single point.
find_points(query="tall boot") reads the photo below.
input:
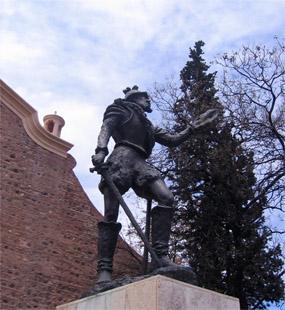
(108, 235)
(161, 226)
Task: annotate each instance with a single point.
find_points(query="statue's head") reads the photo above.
(139, 97)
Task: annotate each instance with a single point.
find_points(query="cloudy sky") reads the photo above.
(76, 56)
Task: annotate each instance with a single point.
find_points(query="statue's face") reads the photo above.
(143, 102)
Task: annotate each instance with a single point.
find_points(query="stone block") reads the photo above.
(155, 293)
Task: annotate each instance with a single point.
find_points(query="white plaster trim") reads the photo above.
(29, 117)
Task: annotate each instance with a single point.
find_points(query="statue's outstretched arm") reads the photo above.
(167, 139)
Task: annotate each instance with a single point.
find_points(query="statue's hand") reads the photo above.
(206, 118)
(98, 159)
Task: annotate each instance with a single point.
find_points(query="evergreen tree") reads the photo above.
(224, 240)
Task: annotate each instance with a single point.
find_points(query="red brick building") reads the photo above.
(48, 224)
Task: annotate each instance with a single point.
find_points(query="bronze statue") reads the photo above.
(125, 120)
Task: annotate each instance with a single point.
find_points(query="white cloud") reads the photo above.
(76, 56)
(12, 50)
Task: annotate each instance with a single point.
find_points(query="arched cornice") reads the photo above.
(31, 123)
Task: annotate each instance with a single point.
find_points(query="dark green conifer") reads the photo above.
(212, 176)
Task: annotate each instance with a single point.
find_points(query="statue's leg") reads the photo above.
(161, 193)
(111, 206)
(108, 234)
(162, 216)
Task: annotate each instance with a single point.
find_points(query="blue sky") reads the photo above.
(76, 56)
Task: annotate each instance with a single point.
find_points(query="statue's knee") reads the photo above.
(167, 199)
(161, 193)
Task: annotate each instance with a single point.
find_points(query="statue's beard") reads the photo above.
(148, 109)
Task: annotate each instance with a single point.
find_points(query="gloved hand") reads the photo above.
(206, 118)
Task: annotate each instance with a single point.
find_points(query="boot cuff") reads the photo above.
(105, 264)
(112, 225)
(160, 248)
(159, 209)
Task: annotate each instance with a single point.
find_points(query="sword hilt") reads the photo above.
(93, 169)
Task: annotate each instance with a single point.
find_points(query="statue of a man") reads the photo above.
(125, 120)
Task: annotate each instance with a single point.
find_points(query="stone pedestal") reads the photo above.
(155, 293)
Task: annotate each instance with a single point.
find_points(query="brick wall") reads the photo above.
(48, 226)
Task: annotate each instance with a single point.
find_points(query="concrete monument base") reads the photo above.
(155, 293)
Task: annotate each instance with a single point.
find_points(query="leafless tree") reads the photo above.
(252, 92)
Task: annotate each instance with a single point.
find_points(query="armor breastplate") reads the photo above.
(137, 132)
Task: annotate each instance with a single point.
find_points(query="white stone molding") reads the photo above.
(29, 117)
